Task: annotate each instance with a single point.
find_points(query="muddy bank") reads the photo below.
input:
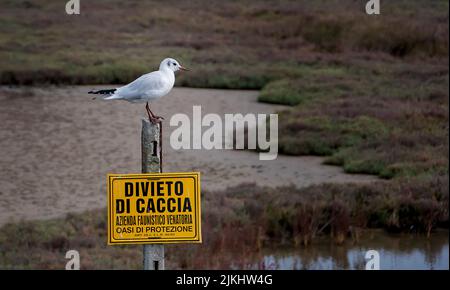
(58, 145)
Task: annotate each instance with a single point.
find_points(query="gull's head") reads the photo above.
(171, 64)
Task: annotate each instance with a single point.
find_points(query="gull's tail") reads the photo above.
(109, 94)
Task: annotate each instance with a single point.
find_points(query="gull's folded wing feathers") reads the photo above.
(146, 85)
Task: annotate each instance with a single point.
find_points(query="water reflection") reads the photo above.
(409, 252)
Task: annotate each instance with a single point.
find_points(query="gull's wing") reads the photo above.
(147, 85)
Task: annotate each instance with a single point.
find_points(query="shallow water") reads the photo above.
(396, 252)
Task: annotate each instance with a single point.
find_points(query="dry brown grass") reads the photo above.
(372, 93)
(391, 124)
(239, 223)
(247, 44)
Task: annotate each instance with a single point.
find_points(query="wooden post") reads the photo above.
(151, 139)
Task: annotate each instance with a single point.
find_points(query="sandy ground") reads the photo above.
(58, 145)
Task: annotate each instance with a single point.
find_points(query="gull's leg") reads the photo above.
(151, 118)
(155, 119)
(159, 118)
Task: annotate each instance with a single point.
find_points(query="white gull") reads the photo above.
(146, 88)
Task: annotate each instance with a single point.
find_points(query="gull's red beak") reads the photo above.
(183, 68)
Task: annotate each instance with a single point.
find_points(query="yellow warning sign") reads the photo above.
(154, 208)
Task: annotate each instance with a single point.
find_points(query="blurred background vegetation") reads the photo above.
(368, 92)
(371, 92)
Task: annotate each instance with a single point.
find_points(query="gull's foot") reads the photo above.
(156, 119)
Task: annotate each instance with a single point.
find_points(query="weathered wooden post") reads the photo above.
(151, 147)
